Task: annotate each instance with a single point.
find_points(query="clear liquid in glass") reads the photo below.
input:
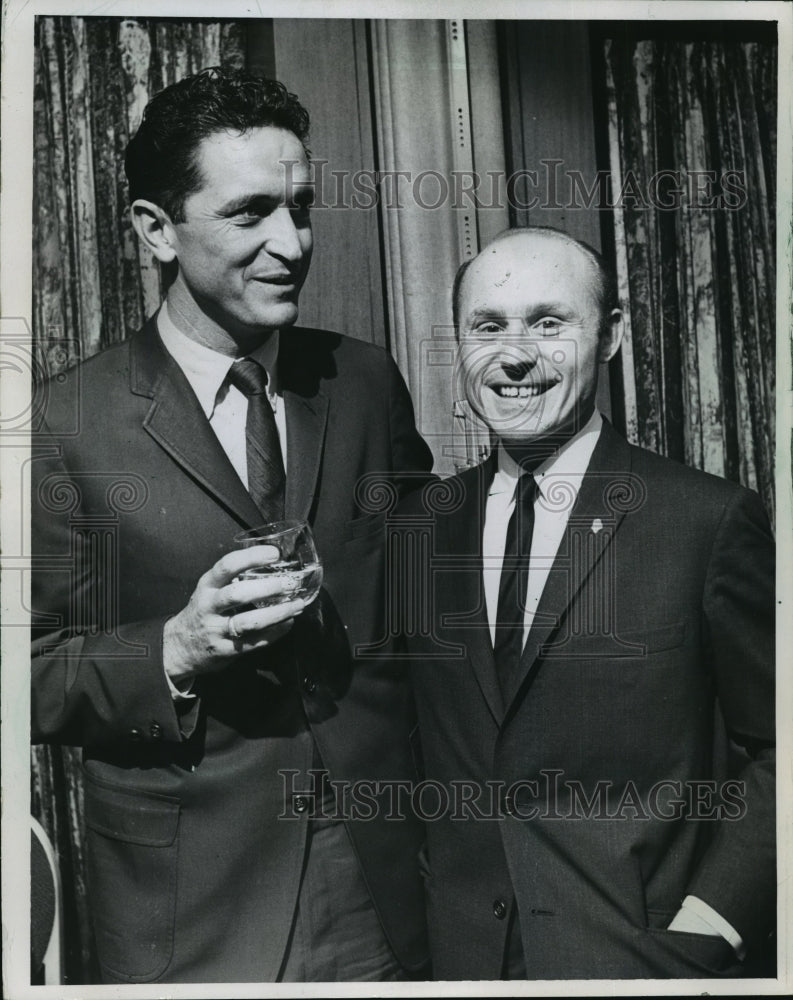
(295, 580)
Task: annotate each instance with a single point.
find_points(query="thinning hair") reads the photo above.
(604, 279)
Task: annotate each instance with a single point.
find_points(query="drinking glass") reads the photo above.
(298, 569)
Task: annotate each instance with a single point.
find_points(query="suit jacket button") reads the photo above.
(155, 731)
(135, 734)
(499, 909)
(309, 685)
(301, 803)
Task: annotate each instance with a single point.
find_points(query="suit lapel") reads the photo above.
(306, 418)
(463, 587)
(599, 500)
(178, 424)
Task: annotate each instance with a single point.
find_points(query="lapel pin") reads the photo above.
(597, 525)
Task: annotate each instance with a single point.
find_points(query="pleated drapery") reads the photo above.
(692, 129)
(94, 283)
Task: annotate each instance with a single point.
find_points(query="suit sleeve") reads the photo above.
(411, 459)
(94, 681)
(737, 875)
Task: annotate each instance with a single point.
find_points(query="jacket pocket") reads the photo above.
(656, 640)
(621, 644)
(691, 954)
(132, 849)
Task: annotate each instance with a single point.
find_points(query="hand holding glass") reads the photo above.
(297, 570)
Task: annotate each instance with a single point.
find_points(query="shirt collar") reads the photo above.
(572, 459)
(206, 369)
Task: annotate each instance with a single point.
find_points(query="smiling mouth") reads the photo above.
(525, 390)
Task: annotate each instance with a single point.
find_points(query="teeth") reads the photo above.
(519, 390)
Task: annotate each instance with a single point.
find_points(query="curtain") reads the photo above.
(93, 283)
(423, 247)
(692, 154)
(94, 76)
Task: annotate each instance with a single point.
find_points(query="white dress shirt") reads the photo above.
(224, 406)
(558, 481)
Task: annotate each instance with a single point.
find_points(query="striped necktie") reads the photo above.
(266, 477)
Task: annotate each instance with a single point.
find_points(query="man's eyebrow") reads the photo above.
(537, 311)
(549, 308)
(241, 201)
(301, 195)
(486, 312)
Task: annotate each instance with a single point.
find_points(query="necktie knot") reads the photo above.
(526, 490)
(248, 376)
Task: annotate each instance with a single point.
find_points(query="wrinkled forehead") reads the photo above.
(527, 264)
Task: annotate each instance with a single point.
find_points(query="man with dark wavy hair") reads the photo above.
(211, 725)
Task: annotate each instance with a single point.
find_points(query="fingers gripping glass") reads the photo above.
(297, 569)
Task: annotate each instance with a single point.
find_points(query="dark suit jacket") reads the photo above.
(195, 843)
(651, 658)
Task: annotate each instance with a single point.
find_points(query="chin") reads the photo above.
(517, 425)
(278, 316)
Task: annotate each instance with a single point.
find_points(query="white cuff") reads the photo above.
(183, 693)
(697, 917)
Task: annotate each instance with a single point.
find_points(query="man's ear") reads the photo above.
(611, 336)
(154, 229)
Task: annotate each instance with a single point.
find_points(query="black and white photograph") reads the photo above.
(396, 526)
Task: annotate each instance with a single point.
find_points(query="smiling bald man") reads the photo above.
(596, 695)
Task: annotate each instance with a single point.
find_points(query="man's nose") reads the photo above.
(282, 236)
(517, 368)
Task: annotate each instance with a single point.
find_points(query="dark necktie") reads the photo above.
(514, 581)
(266, 478)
